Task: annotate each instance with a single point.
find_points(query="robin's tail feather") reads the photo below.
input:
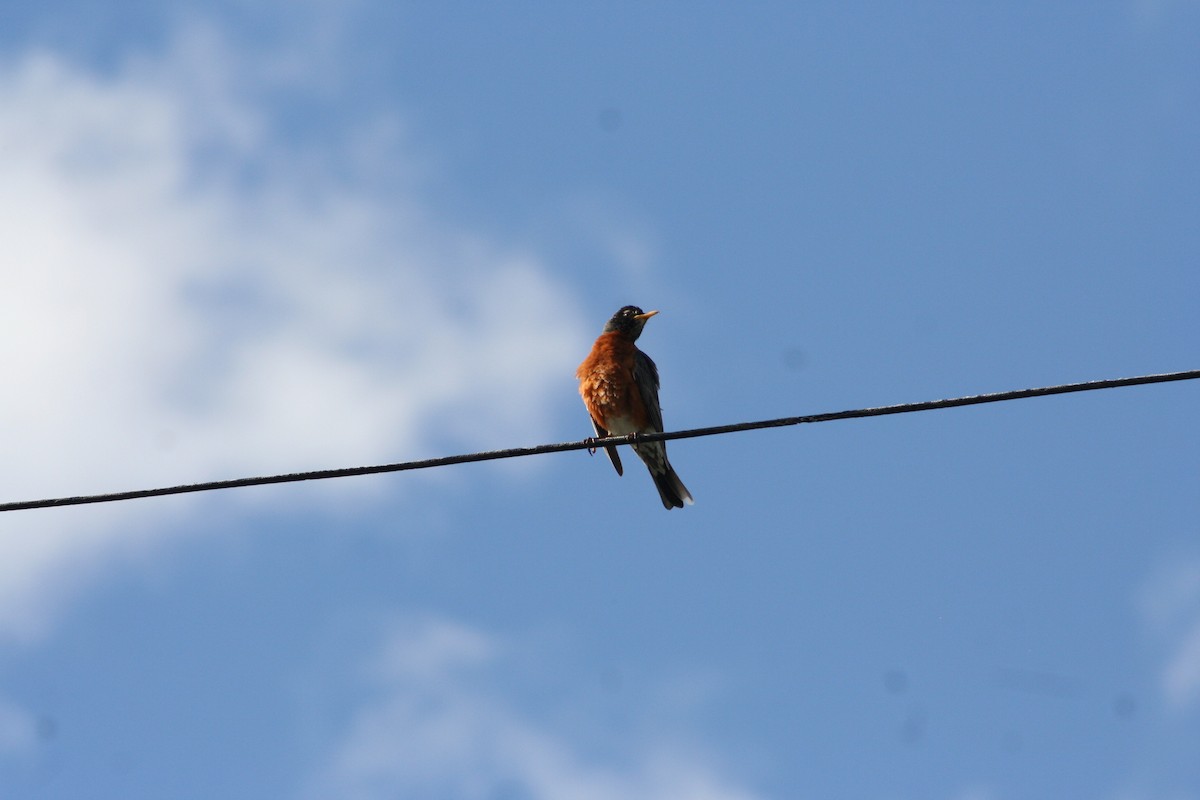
(672, 491)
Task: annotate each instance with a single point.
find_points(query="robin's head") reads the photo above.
(629, 321)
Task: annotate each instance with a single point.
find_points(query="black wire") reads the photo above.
(515, 452)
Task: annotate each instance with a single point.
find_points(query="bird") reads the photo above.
(619, 387)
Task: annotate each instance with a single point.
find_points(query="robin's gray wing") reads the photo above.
(645, 375)
(670, 489)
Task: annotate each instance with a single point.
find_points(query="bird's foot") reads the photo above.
(591, 445)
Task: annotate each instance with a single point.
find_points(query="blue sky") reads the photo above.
(255, 238)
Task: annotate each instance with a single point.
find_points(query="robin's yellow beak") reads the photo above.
(645, 316)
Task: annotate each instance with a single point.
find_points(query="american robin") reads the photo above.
(619, 386)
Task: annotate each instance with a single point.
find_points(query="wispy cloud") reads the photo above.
(187, 296)
(1181, 677)
(1171, 603)
(18, 729)
(438, 726)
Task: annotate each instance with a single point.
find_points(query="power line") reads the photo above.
(515, 452)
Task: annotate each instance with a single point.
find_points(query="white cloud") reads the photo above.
(1181, 676)
(187, 296)
(1171, 603)
(438, 729)
(18, 730)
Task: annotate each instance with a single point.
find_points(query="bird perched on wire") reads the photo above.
(619, 386)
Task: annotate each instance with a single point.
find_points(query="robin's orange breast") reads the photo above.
(607, 385)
